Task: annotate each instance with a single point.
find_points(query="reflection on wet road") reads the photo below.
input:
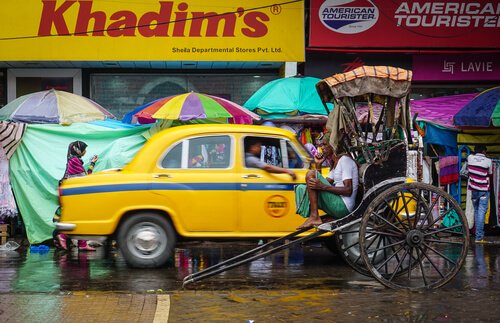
(310, 266)
(303, 284)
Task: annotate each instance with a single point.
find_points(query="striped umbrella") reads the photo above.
(53, 106)
(192, 105)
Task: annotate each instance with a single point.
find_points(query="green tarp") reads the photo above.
(40, 160)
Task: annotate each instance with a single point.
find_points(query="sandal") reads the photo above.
(62, 242)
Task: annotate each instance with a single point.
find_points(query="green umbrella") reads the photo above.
(288, 97)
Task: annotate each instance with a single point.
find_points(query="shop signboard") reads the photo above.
(152, 30)
(405, 24)
(482, 67)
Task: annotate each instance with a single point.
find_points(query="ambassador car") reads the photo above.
(187, 182)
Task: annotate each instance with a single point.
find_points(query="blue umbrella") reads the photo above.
(482, 111)
(288, 97)
(129, 117)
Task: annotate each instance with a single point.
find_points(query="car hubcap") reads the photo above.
(147, 240)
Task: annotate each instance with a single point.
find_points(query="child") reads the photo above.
(74, 168)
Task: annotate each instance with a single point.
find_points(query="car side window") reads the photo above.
(173, 158)
(271, 151)
(209, 152)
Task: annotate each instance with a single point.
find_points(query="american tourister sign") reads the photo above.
(216, 30)
(405, 24)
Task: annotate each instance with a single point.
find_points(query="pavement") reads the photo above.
(368, 304)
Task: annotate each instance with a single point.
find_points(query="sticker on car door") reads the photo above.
(276, 206)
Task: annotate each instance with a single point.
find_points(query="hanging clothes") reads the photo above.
(10, 136)
(496, 189)
(448, 170)
(8, 208)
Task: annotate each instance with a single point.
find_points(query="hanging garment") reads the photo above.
(10, 136)
(448, 170)
(496, 188)
(469, 209)
(8, 208)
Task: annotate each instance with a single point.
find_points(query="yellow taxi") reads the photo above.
(188, 182)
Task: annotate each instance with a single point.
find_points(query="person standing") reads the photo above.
(74, 168)
(479, 169)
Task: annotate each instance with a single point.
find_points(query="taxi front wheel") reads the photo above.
(146, 240)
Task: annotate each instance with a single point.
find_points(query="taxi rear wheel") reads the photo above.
(146, 240)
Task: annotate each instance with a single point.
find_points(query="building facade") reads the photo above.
(123, 54)
(452, 46)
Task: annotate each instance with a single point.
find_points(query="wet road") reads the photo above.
(305, 283)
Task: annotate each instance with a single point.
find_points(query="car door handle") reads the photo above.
(252, 176)
(162, 176)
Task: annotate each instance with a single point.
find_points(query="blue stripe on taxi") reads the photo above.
(177, 187)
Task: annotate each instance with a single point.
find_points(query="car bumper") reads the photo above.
(61, 226)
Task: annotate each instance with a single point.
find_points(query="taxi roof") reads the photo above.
(160, 140)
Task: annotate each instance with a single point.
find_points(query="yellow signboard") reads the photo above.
(152, 30)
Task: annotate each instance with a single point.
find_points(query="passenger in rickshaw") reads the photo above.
(335, 194)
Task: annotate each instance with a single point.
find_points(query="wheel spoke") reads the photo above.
(440, 254)
(379, 241)
(445, 241)
(429, 211)
(395, 215)
(443, 229)
(431, 262)
(389, 259)
(386, 246)
(385, 233)
(355, 243)
(389, 223)
(396, 253)
(417, 207)
(405, 207)
(421, 268)
(441, 216)
(399, 265)
(410, 263)
(368, 246)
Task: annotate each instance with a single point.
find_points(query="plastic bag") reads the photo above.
(10, 246)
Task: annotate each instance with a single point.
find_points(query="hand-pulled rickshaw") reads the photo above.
(406, 234)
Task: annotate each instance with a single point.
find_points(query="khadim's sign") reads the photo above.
(152, 30)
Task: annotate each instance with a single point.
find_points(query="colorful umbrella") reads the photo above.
(288, 97)
(190, 106)
(53, 106)
(482, 111)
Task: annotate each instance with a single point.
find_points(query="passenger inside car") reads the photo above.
(253, 150)
(218, 156)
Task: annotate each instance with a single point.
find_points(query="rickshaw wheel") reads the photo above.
(348, 244)
(347, 241)
(422, 234)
